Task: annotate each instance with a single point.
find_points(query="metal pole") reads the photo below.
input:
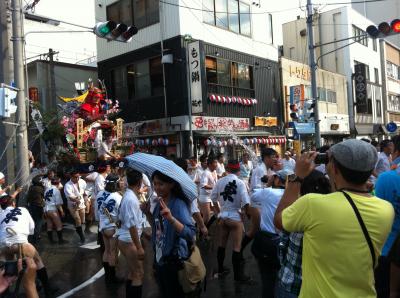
(313, 68)
(160, 8)
(22, 133)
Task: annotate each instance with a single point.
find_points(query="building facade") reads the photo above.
(332, 104)
(194, 77)
(391, 81)
(341, 25)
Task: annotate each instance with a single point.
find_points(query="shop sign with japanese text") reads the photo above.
(220, 124)
(196, 92)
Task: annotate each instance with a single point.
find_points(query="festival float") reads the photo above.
(87, 119)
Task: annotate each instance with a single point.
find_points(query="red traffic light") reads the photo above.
(384, 29)
(395, 24)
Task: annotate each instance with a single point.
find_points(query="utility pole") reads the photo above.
(22, 133)
(313, 68)
(52, 92)
(7, 134)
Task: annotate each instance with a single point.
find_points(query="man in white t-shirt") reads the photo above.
(288, 162)
(265, 246)
(74, 191)
(104, 149)
(221, 167)
(269, 159)
(384, 157)
(207, 182)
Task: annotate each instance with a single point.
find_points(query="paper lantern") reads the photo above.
(246, 141)
(154, 142)
(148, 141)
(235, 142)
(141, 142)
(213, 97)
(160, 141)
(239, 100)
(229, 100)
(254, 140)
(137, 142)
(234, 100)
(224, 100)
(214, 142)
(230, 142)
(255, 101)
(219, 99)
(224, 143)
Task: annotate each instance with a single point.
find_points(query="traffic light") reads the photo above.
(309, 106)
(294, 112)
(384, 29)
(110, 30)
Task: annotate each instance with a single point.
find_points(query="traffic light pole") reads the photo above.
(22, 133)
(313, 68)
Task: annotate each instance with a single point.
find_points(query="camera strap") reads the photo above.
(363, 227)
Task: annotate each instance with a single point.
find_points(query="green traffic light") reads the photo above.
(104, 30)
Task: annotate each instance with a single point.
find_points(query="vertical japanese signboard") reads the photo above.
(195, 77)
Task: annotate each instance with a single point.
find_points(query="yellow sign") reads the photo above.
(265, 121)
(79, 132)
(119, 130)
(297, 147)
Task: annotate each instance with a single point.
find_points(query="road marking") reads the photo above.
(90, 245)
(83, 285)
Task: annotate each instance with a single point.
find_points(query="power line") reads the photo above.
(212, 11)
(353, 2)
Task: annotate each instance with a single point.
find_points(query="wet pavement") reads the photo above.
(70, 265)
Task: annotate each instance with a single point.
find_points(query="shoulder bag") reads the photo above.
(363, 227)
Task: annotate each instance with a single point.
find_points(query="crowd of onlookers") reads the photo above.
(320, 223)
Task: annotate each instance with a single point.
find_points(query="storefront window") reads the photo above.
(156, 77)
(245, 76)
(223, 72)
(145, 78)
(211, 70)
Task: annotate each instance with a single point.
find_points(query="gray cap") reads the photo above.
(355, 155)
(284, 173)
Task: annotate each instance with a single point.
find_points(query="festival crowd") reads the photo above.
(325, 223)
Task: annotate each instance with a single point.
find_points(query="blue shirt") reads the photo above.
(387, 187)
(166, 240)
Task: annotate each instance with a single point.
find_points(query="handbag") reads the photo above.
(193, 271)
(363, 227)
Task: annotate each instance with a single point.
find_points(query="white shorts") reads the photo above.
(204, 199)
(50, 208)
(233, 215)
(125, 235)
(10, 241)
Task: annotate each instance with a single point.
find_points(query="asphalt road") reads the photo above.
(72, 265)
